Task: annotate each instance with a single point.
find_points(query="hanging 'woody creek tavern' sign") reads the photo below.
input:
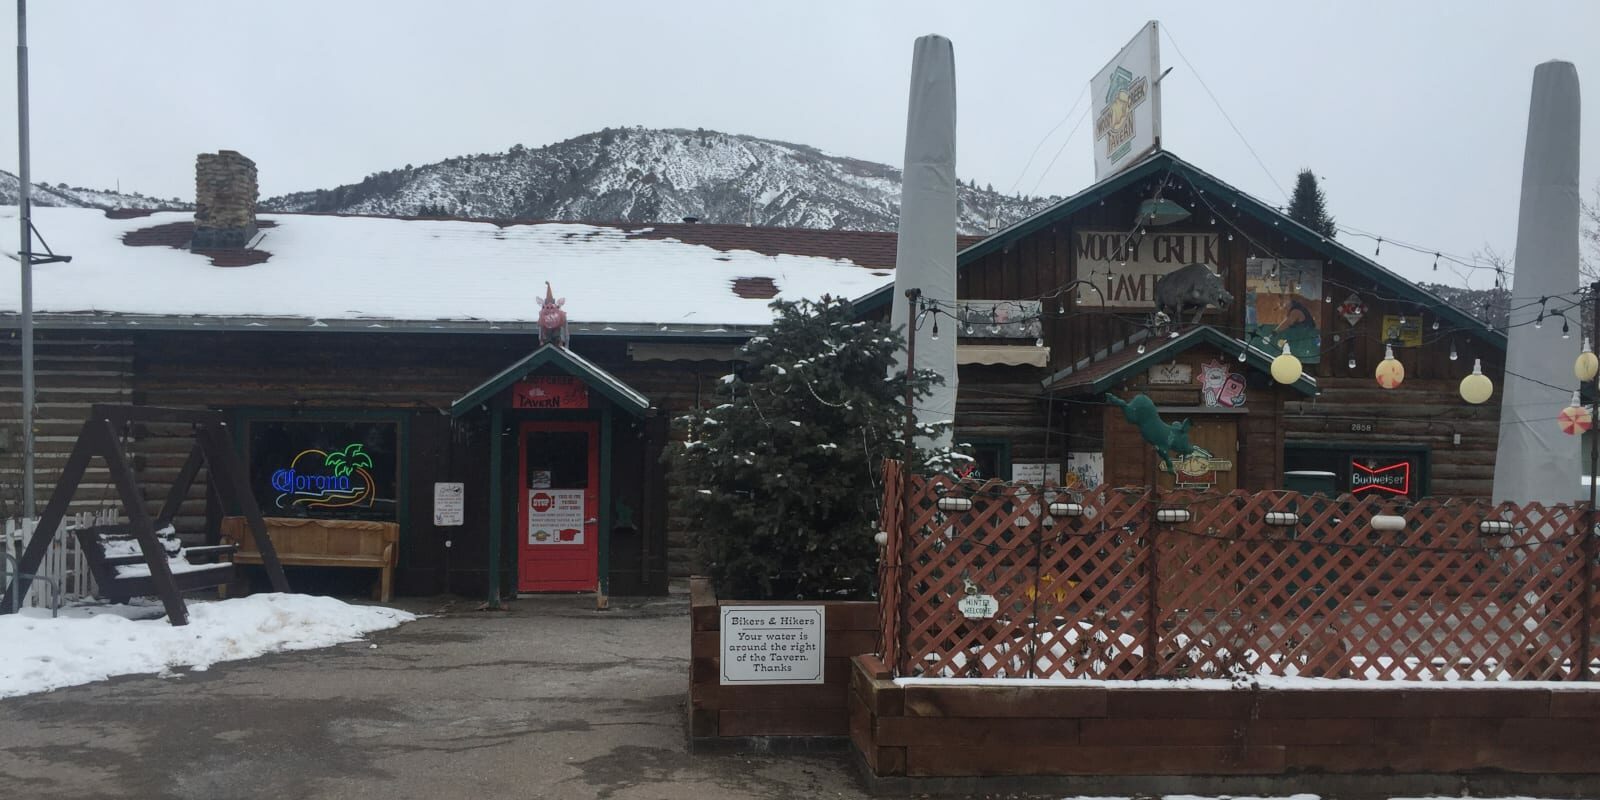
(1126, 267)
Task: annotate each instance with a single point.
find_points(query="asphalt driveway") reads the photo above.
(549, 700)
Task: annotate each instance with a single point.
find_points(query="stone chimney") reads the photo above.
(224, 200)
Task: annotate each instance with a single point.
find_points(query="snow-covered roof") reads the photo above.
(377, 272)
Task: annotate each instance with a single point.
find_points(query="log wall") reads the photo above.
(1428, 413)
(1425, 410)
(1004, 402)
(411, 377)
(73, 371)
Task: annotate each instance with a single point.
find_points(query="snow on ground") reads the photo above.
(90, 644)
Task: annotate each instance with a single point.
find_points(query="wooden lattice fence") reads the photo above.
(1126, 584)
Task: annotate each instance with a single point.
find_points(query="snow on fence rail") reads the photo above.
(1136, 584)
(64, 563)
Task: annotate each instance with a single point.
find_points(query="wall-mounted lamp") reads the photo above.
(1388, 522)
(1066, 510)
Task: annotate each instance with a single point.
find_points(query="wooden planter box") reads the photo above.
(1121, 739)
(768, 717)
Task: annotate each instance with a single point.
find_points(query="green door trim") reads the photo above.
(402, 418)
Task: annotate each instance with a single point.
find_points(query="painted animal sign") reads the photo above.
(1126, 268)
(1219, 387)
(1283, 305)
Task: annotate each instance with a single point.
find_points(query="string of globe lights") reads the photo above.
(964, 316)
(1024, 315)
(1475, 388)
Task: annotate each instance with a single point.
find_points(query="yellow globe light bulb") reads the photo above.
(1286, 368)
(1477, 388)
(1587, 365)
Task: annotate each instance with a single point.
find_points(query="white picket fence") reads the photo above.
(63, 562)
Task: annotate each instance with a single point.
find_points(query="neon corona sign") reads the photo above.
(326, 479)
(1392, 478)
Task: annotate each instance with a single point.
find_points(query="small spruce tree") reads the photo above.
(1308, 206)
(783, 476)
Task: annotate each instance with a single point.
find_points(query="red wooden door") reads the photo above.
(559, 483)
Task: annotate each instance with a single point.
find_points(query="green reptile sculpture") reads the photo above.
(1167, 439)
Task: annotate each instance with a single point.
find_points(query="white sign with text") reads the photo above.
(772, 644)
(449, 504)
(1127, 104)
(555, 516)
(1036, 473)
(1125, 268)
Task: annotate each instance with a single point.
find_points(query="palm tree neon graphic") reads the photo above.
(347, 482)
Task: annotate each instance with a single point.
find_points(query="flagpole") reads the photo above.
(25, 257)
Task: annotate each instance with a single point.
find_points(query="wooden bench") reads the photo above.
(121, 572)
(305, 542)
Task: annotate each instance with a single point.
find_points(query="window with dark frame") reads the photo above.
(325, 468)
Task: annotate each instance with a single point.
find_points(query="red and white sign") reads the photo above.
(1392, 478)
(555, 516)
(550, 391)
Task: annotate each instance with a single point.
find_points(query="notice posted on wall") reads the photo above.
(449, 504)
(555, 516)
(771, 644)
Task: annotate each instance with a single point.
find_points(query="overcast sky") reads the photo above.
(1413, 113)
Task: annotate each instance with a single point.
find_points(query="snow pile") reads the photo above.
(43, 653)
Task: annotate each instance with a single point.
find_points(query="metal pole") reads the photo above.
(912, 295)
(25, 257)
(1585, 645)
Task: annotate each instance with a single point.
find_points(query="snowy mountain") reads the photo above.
(643, 175)
(64, 196)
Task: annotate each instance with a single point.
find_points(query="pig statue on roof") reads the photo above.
(552, 320)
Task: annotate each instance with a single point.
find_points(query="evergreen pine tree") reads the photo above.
(1308, 206)
(783, 476)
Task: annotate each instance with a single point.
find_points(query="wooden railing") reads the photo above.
(1134, 584)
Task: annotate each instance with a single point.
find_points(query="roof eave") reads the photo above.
(1205, 334)
(1333, 250)
(567, 361)
(1156, 162)
(160, 322)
